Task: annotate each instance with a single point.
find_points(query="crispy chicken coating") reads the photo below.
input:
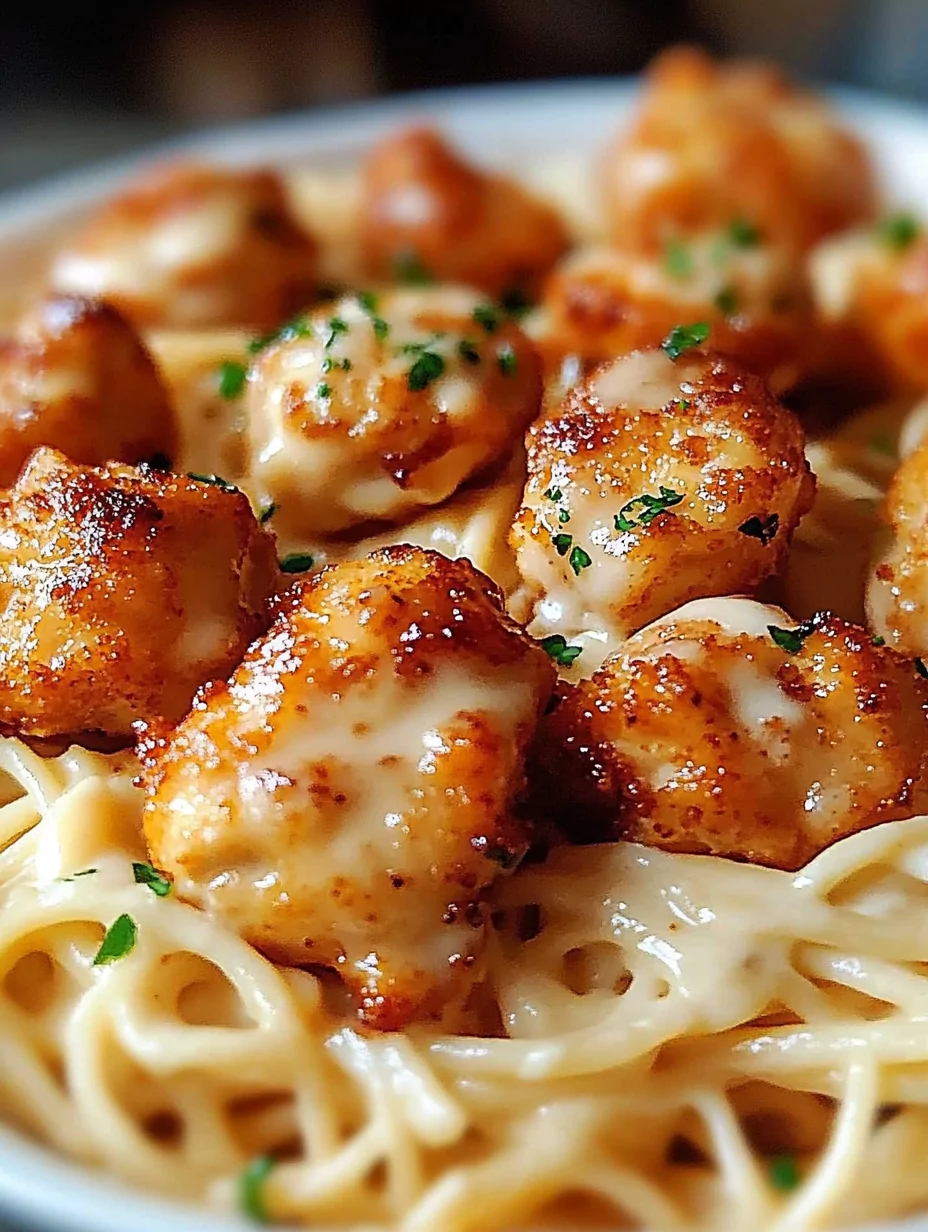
(77, 377)
(713, 144)
(604, 302)
(427, 213)
(656, 481)
(380, 406)
(346, 799)
(709, 733)
(897, 594)
(121, 591)
(190, 246)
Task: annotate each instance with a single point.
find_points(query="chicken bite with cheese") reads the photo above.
(121, 591)
(897, 594)
(716, 144)
(347, 798)
(727, 729)
(77, 377)
(666, 476)
(191, 246)
(382, 405)
(427, 214)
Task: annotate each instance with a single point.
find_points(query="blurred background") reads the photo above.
(79, 84)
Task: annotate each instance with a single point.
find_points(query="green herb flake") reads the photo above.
(326, 366)
(506, 359)
(336, 326)
(468, 351)
(368, 301)
(563, 515)
(784, 1172)
(743, 233)
(487, 317)
(298, 327)
(251, 1188)
(296, 562)
(727, 301)
(764, 529)
(899, 231)
(678, 260)
(559, 649)
(878, 640)
(85, 872)
(409, 269)
(380, 328)
(627, 519)
(791, 640)
(579, 560)
(323, 390)
(215, 481)
(562, 543)
(684, 337)
(157, 881)
(683, 405)
(427, 368)
(266, 512)
(232, 378)
(554, 494)
(119, 941)
(921, 668)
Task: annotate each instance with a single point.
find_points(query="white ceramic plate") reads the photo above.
(501, 126)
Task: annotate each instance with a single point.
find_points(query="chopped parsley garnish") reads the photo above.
(119, 941)
(146, 874)
(554, 494)
(784, 1172)
(295, 328)
(266, 512)
(684, 337)
(323, 390)
(329, 364)
(678, 260)
(562, 543)
(427, 368)
(743, 233)
(296, 562)
(683, 405)
(506, 359)
(486, 316)
(559, 649)
(215, 481)
(85, 872)
(899, 231)
(921, 668)
(792, 640)
(651, 506)
(232, 377)
(409, 269)
(563, 515)
(468, 351)
(764, 529)
(579, 560)
(336, 326)
(251, 1188)
(727, 301)
(369, 302)
(878, 640)
(515, 302)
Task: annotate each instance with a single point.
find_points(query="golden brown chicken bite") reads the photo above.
(657, 481)
(727, 729)
(380, 406)
(77, 377)
(425, 212)
(192, 246)
(121, 591)
(346, 799)
(714, 144)
(897, 594)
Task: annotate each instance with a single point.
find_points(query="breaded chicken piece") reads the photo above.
(77, 377)
(657, 481)
(191, 246)
(346, 799)
(383, 405)
(604, 302)
(871, 293)
(726, 729)
(897, 594)
(121, 591)
(712, 144)
(427, 213)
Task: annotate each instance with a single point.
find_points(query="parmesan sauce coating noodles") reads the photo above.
(464, 738)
